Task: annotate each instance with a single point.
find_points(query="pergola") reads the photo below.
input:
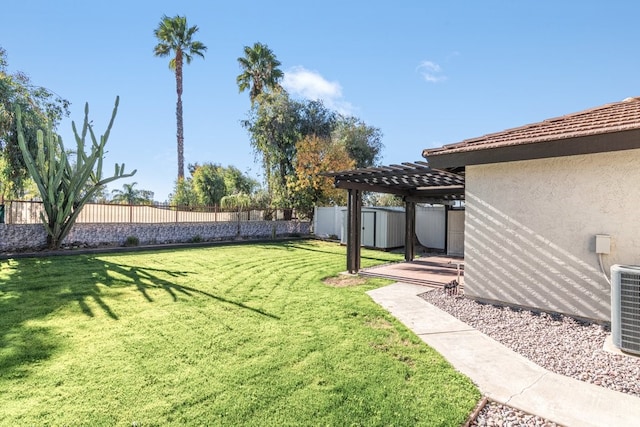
(415, 182)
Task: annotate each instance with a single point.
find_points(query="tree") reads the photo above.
(208, 184)
(316, 119)
(40, 108)
(233, 180)
(260, 72)
(99, 196)
(174, 35)
(273, 127)
(237, 182)
(183, 194)
(261, 199)
(237, 201)
(132, 196)
(63, 185)
(280, 127)
(363, 142)
(308, 187)
(382, 199)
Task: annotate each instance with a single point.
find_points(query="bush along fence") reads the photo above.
(28, 237)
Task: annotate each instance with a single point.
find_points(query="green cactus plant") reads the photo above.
(62, 185)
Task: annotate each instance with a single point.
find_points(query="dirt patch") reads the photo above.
(380, 323)
(344, 280)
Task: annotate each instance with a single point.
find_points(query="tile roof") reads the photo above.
(614, 117)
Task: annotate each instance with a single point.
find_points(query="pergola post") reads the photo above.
(354, 226)
(447, 208)
(409, 230)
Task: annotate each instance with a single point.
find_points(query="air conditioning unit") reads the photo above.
(625, 307)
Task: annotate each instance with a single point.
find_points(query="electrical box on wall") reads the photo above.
(603, 244)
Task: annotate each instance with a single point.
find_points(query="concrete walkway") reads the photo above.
(503, 375)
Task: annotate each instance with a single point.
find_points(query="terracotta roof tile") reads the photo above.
(614, 117)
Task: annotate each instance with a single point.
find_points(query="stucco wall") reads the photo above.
(531, 225)
(14, 237)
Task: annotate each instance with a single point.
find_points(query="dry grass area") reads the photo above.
(344, 280)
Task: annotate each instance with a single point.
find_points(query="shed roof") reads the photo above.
(611, 127)
(413, 180)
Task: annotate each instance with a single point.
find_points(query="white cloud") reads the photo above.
(452, 55)
(431, 72)
(311, 85)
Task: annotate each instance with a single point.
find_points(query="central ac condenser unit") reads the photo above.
(625, 307)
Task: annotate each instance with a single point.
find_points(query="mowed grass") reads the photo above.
(243, 334)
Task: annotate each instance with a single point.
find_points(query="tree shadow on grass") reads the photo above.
(145, 278)
(32, 289)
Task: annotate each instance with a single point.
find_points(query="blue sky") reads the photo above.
(426, 73)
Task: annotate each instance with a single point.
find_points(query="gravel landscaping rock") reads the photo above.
(561, 344)
(497, 415)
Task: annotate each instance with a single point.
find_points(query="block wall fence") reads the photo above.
(26, 237)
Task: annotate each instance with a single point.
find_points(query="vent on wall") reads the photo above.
(625, 307)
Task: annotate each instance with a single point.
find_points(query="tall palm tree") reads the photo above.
(260, 71)
(174, 35)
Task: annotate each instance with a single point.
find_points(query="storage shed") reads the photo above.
(382, 227)
(437, 228)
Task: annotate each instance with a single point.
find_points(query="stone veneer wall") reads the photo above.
(19, 237)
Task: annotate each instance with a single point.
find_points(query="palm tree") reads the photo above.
(132, 196)
(174, 35)
(260, 71)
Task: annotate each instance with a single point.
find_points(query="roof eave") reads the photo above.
(590, 144)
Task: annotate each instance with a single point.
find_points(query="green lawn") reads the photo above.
(243, 334)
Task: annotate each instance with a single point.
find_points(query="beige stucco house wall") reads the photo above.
(530, 229)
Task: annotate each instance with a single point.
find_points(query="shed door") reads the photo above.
(368, 236)
(455, 233)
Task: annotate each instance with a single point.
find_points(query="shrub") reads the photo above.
(132, 241)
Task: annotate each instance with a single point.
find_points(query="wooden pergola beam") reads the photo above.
(369, 187)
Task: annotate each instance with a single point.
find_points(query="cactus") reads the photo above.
(63, 186)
